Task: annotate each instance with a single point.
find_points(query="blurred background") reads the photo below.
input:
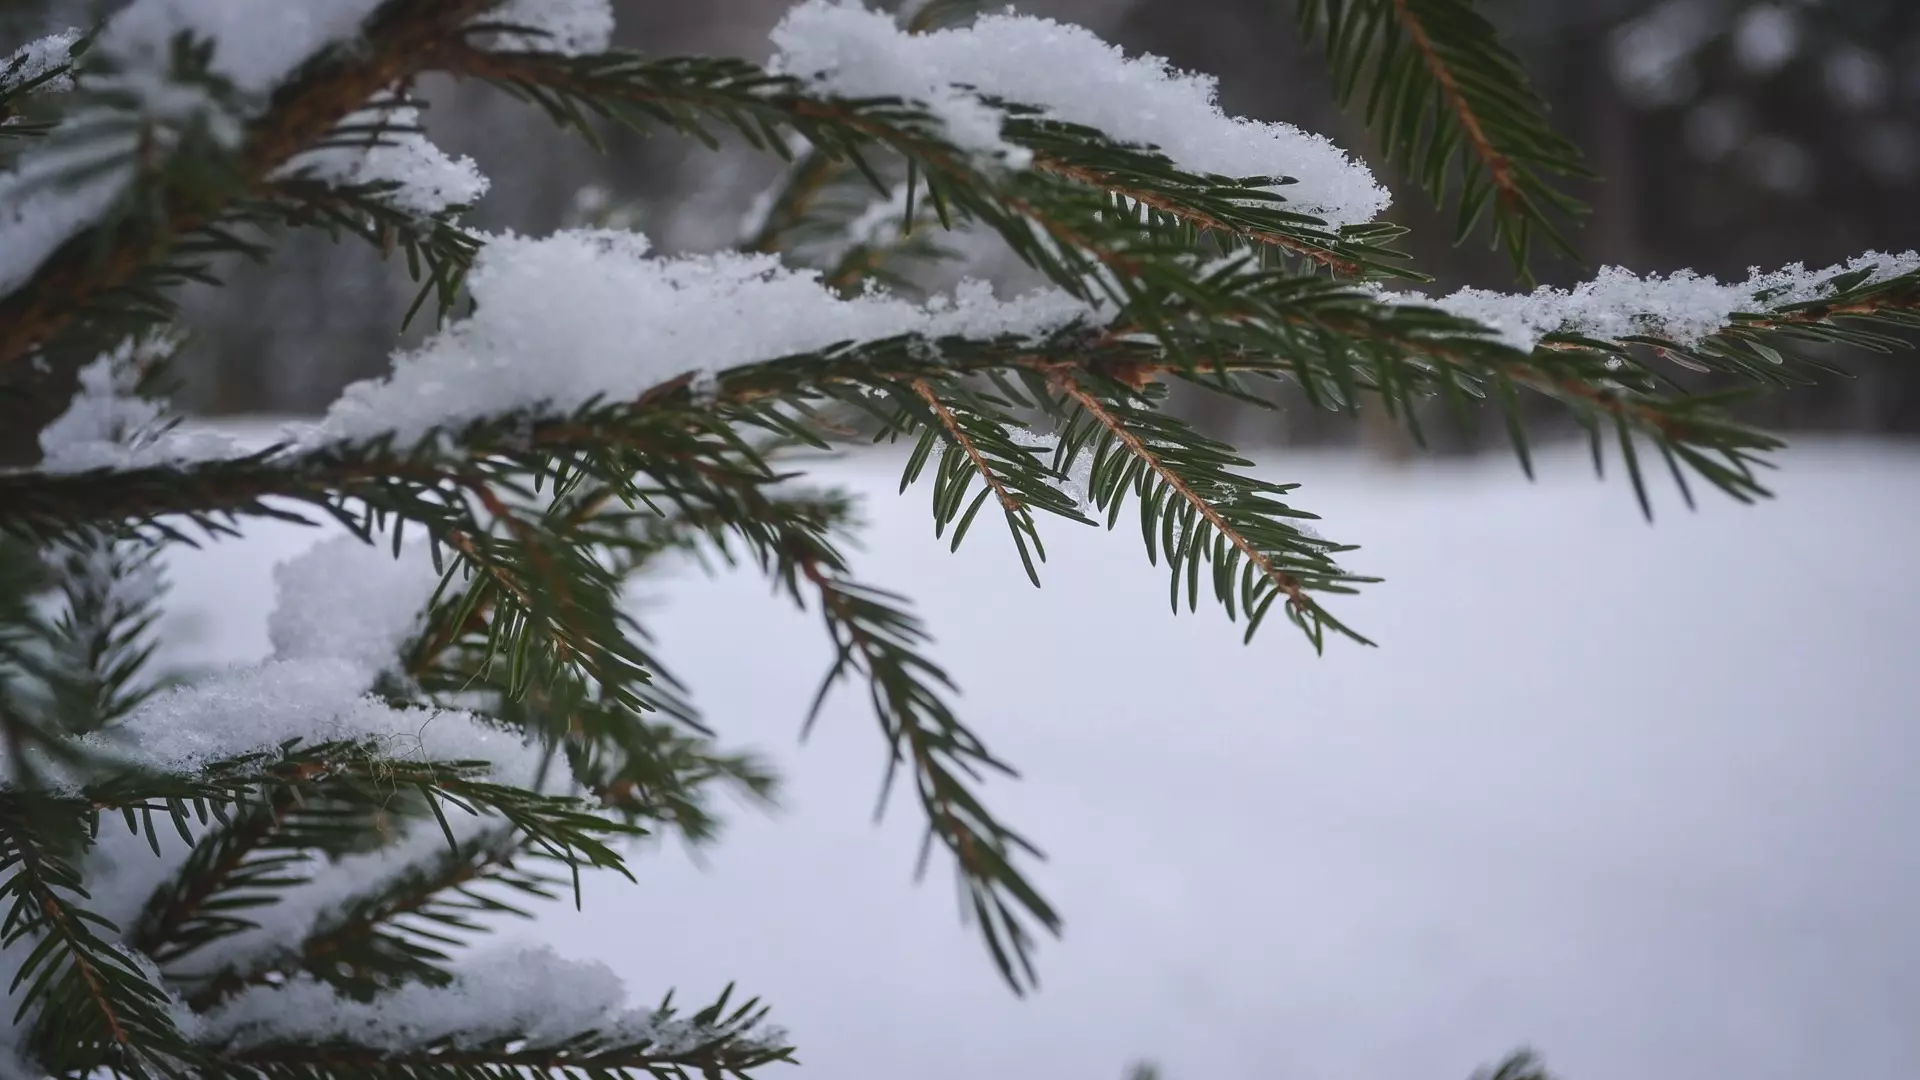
(1641, 797)
(1732, 133)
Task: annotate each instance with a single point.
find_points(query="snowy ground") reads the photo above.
(1640, 797)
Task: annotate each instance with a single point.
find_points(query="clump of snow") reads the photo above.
(1070, 74)
(1685, 307)
(246, 710)
(567, 27)
(587, 313)
(257, 45)
(110, 425)
(350, 600)
(36, 58)
(428, 180)
(528, 993)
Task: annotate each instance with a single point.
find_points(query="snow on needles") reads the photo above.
(425, 179)
(35, 59)
(584, 314)
(109, 425)
(1685, 307)
(245, 710)
(525, 993)
(1072, 75)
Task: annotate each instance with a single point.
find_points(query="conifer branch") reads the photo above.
(112, 255)
(176, 919)
(438, 251)
(592, 1053)
(1236, 520)
(94, 1006)
(877, 639)
(685, 94)
(1207, 220)
(1008, 502)
(368, 947)
(1447, 96)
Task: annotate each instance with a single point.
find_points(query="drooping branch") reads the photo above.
(1446, 94)
(400, 37)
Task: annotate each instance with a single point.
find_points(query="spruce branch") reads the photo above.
(94, 1004)
(230, 869)
(100, 640)
(1258, 555)
(397, 932)
(1454, 106)
(18, 83)
(1036, 211)
(438, 251)
(114, 254)
(716, 1042)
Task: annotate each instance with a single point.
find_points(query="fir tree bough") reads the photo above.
(278, 871)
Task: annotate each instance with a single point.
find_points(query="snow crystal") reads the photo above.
(429, 181)
(1072, 75)
(527, 992)
(1685, 307)
(256, 709)
(257, 45)
(587, 313)
(36, 58)
(350, 600)
(567, 27)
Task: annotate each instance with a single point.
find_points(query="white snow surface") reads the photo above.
(567, 27)
(529, 992)
(255, 708)
(258, 42)
(588, 313)
(848, 49)
(1684, 306)
(1636, 796)
(428, 180)
(350, 600)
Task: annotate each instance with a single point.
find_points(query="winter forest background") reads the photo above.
(1640, 797)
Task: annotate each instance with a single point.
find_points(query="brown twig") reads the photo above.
(1499, 168)
(947, 420)
(50, 908)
